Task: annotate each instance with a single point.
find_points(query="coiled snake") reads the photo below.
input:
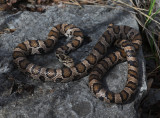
(126, 38)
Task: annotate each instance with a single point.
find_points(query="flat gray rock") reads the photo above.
(63, 100)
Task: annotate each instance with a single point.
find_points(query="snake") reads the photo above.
(127, 40)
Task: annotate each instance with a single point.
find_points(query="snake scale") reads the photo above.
(127, 39)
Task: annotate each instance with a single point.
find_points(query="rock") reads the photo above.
(63, 100)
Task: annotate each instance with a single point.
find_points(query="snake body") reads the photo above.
(126, 38)
(95, 77)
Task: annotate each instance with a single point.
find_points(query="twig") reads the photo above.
(151, 16)
(153, 70)
(135, 8)
(76, 2)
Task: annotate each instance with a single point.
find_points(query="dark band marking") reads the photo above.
(78, 33)
(136, 46)
(34, 43)
(113, 58)
(49, 43)
(100, 48)
(133, 63)
(53, 33)
(97, 87)
(127, 29)
(75, 43)
(91, 59)
(131, 85)
(64, 47)
(50, 73)
(131, 34)
(68, 26)
(80, 68)
(108, 37)
(58, 27)
(22, 46)
(131, 55)
(124, 95)
(17, 54)
(130, 51)
(122, 53)
(98, 70)
(66, 72)
(121, 36)
(137, 37)
(136, 77)
(132, 72)
(35, 70)
(94, 76)
(58, 79)
(110, 96)
(104, 64)
(24, 63)
(116, 29)
(126, 43)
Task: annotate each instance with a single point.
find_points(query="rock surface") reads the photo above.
(63, 100)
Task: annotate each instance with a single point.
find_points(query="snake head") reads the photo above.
(66, 60)
(69, 33)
